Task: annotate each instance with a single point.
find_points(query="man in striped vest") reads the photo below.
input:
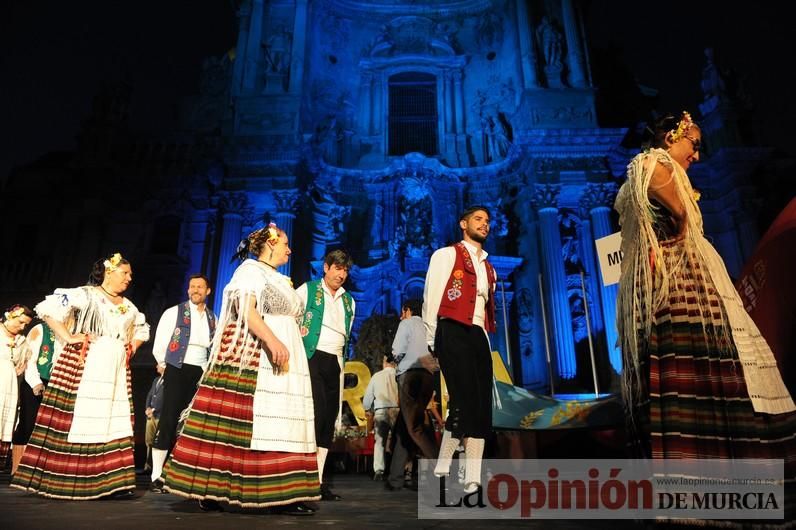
(326, 330)
(458, 311)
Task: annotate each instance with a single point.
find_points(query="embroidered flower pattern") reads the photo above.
(454, 294)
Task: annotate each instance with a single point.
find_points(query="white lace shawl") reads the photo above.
(272, 292)
(84, 310)
(637, 301)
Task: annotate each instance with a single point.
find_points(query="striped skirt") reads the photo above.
(54, 467)
(212, 458)
(698, 405)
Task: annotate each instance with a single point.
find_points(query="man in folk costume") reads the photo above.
(182, 345)
(458, 311)
(43, 343)
(326, 330)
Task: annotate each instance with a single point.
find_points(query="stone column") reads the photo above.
(577, 76)
(299, 40)
(560, 317)
(286, 203)
(365, 103)
(601, 197)
(378, 100)
(527, 48)
(459, 98)
(252, 55)
(232, 208)
(590, 265)
(240, 50)
(447, 98)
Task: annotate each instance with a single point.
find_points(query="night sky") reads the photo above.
(56, 54)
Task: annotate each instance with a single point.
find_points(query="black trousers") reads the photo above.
(28, 409)
(179, 387)
(415, 388)
(325, 378)
(466, 363)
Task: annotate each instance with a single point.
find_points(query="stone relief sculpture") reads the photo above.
(489, 30)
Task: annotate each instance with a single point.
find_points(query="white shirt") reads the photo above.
(409, 344)
(333, 332)
(198, 344)
(439, 271)
(382, 391)
(32, 376)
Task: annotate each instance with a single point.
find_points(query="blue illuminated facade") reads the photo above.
(369, 125)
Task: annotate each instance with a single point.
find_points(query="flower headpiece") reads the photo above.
(112, 263)
(14, 312)
(683, 125)
(273, 232)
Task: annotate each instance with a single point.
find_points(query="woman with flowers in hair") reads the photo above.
(13, 355)
(249, 437)
(82, 442)
(699, 380)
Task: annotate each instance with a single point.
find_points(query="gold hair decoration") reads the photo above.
(112, 263)
(16, 311)
(683, 125)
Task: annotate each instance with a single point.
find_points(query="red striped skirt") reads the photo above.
(54, 467)
(698, 405)
(212, 458)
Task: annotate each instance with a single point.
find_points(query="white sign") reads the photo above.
(609, 254)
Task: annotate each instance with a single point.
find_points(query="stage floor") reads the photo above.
(366, 504)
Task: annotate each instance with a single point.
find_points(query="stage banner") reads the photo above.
(767, 287)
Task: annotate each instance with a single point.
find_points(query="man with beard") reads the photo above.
(458, 311)
(182, 345)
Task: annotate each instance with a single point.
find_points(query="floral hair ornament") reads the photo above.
(273, 233)
(112, 263)
(14, 312)
(683, 126)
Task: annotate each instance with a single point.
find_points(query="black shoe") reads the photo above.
(390, 487)
(122, 495)
(378, 475)
(210, 505)
(296, 508)
(329, 495)
(157, 487)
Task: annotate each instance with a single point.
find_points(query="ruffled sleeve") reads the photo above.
(247, 278)
(140, 327)
(60, 304)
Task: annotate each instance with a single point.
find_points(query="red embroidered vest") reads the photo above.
(458, 300)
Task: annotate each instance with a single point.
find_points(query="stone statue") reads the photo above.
(551, 43)
(490, 30)
(277, 50)
(496, 138)
(712, 81)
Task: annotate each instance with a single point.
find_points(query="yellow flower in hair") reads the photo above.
(18, 311)
(112, 263)
(683, 125)
(273, 232)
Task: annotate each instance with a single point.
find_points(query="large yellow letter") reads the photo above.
(355, 394)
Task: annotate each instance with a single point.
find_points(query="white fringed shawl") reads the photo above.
(637, 301)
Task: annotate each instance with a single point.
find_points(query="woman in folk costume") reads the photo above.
(82, 443)
(249, 438)
(700, 380)
(13, 354)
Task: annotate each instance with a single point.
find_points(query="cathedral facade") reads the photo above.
(368, 126)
